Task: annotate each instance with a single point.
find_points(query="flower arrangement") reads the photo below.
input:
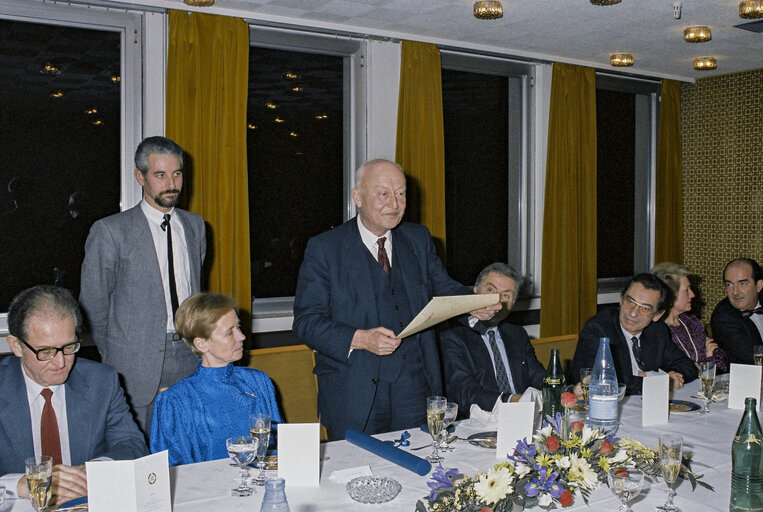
(564, 461)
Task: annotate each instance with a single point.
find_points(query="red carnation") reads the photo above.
(568, 399)
(566, 498)
(577, 426)
(485, 509)
(552, 444)
(606, 447)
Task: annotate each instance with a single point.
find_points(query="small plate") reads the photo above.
(373, 489)
(684, 406)
(76, 502)
(484, 439)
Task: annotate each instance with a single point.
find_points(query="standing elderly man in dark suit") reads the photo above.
(639, 341)
(487, 361)
(51, 404)
(737, 321)
(359, 284)
(139, 266)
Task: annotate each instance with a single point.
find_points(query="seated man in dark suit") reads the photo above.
(50, 404)
(474, 372)
(737, 321)
(639, 342)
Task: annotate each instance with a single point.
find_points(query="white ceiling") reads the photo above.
(556, 30)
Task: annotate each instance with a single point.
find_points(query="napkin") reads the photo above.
(400, 457)
(489, 419)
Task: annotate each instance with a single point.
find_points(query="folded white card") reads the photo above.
(515, 422)
(299, 453)
(743, 382)
(140, 485)
(654, 400)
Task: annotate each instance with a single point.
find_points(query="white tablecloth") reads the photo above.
(205, 487)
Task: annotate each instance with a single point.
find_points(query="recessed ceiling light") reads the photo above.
(56, 94)
(91, 111)
(751, 9)
(705, 63)
(296, 89)
(488, 10)
(278, 120)
(321, 116)
(291, 76)
(271, 106)
(50, 69)
(697, 34)
(621, 60)
(294, 134)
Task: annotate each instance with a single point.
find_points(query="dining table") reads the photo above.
(206, 486)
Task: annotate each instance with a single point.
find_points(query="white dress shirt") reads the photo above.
(758, 321)
(371, 241)
(502, 353)
(634, 366)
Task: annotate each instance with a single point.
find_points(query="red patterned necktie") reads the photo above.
(382, 255)
(50, 441)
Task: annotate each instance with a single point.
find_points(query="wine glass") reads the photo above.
(626, 483)
(2, 496)
(451, 411)
(585, 382)
(259, 427)
(757, 354)
(242, 450)
(435, 416)
(39, 473)
(671, 451)
(707, 378)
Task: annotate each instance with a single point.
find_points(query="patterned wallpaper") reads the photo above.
(722, 161)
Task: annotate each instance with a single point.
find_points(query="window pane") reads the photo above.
(475, 115)
(616, 182)
(61, 159)
(295, 154)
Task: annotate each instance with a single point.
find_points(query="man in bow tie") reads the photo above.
(737, 321)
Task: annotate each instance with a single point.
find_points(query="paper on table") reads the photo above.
(743, 382)
(140, 485)
(654, 399)
(299, 453)
(515, 422)
(442, 308)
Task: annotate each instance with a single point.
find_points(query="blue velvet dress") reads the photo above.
(193, 418)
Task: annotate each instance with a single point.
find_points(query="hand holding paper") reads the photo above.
(440, 309)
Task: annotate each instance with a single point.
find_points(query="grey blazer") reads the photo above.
(123, 297)
(100, 424)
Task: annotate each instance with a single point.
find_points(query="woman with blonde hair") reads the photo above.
(687, 330)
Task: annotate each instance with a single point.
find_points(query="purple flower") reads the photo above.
(526, 451)
(555, 422)
(546, 481)
(441, 478)
(532, 488)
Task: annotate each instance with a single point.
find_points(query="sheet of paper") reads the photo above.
(654, 400)
(345, 475)
(299, 453)
(515, 422)
(442, 308)
(141, 485)
(743, 382)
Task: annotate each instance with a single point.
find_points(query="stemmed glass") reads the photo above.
(707, 378)
(435, 416)
(451, 411)
(626, 483)
(39, 473)
(585, 382)
(671, 452)
(259, 427)
(2, 496)
(242, 450)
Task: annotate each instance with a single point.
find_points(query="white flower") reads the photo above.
(563, 463)
(581, 473)
(544, 499)
(589, 435)
(620, 457)
(494, 486)
(521, 469)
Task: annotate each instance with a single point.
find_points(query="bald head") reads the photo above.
(379, 195)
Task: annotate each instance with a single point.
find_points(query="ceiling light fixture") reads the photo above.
(751, 9)
(115, 79)
(251, 126)
(488, 10)
(271, 105)
(621, 60)
(199, 3)
(697, 34)
(290, 76)
(605, 2)
(91, 111)
(50, 69)
(56, 94)
(705, 63)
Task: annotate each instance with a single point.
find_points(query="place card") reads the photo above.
(515, 422)
(299, 453)
(140, 485)
(743, 382)
(345, 475)
(654, 399)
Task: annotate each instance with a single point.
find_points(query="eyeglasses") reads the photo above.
(48, 353)
(630, 304)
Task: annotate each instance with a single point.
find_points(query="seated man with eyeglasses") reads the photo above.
(639, 342)
(51, 404)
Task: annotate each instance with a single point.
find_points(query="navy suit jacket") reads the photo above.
(100, 424)
(734, 333)
(658, 351)
(335, 297)
(468, 368)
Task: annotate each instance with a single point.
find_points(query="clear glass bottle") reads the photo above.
(747, 462)
(602, 392)
(275, 496)
(553, 386)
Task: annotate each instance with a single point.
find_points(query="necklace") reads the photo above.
(691, 342)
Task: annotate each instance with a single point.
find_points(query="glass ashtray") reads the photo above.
(373, 489)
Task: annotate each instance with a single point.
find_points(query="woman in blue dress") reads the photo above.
(193, 418)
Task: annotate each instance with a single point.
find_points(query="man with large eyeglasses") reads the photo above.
(639, 342)
(53, 404)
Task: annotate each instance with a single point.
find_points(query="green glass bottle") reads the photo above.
(747, 463)
(553, 386)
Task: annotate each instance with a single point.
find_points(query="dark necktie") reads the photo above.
(50, 442)
(171, 262)
(637, 352)
(500, 370)
(381, 256)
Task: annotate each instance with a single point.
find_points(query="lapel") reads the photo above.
(14, 408)
(354, 257)
(515, 357)
(621, 355)
(480, 353)
(78, 415)
(404, 257)
(140, 245)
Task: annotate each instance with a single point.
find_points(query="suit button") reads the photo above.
(397, 308)
(374, 381)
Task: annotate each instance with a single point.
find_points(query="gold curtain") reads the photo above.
(568, 286)
(668, 238)
(420, 143)
(207, 83)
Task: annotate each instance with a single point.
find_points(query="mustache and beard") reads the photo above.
(167, 198)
